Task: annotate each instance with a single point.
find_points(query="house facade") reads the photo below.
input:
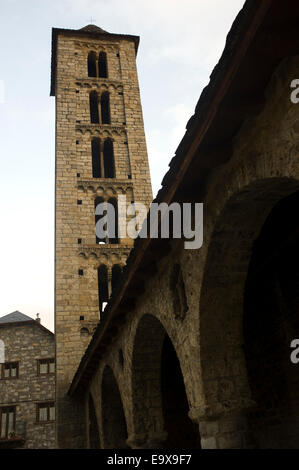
(27, 383)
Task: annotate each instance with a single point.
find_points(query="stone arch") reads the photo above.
(84, 332)
(160, 405)
(114, 427)
(89, 189)
(222, 358)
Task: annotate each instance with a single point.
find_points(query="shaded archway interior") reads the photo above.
(114, 426)
(227, 384)
(159, 397)
(182, 433)
(271, 322)
(94, 437)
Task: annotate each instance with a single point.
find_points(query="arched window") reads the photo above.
(84, 332)
(97, 201)
(103, 69)
(92, 64)
(102, 286)
(116, 275)
(96, 157)
(113, 226)
(105, 108)
(94, 107)
(109, 168)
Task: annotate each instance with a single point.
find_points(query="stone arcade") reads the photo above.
(193, 348)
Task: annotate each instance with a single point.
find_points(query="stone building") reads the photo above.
(100, 155)
(193, 348)
(27, 383)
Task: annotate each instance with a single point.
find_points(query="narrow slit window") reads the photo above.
(98, 201)
(113, 223)
(116, 275)
(103, 69)
(92, 64)
(109, 167)
(94, 108)
(105, 108)
(96, 157)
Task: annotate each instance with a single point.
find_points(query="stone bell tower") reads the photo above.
(100, 154)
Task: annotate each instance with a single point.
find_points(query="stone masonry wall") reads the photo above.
(27, 344)
(77, 296)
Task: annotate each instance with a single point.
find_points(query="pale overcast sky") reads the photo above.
(180, 43)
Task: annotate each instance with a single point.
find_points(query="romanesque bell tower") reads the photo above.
(100, 155)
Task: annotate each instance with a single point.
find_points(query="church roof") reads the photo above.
(15, 317)
(92, 28)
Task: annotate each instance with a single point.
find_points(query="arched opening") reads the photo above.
(94, 437)
(109, 167)
(97, 201)
(116, 275)
(94, 107)
(103, 287)
(91, 64)
(113, 418)
(105, 108)
(103, 69)
(96, 157)
(230, 337)
(84, 332)
(113, 223)
(159, 397)
(271, 322)
(181, 431)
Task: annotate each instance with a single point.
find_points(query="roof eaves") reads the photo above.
(26, 322)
